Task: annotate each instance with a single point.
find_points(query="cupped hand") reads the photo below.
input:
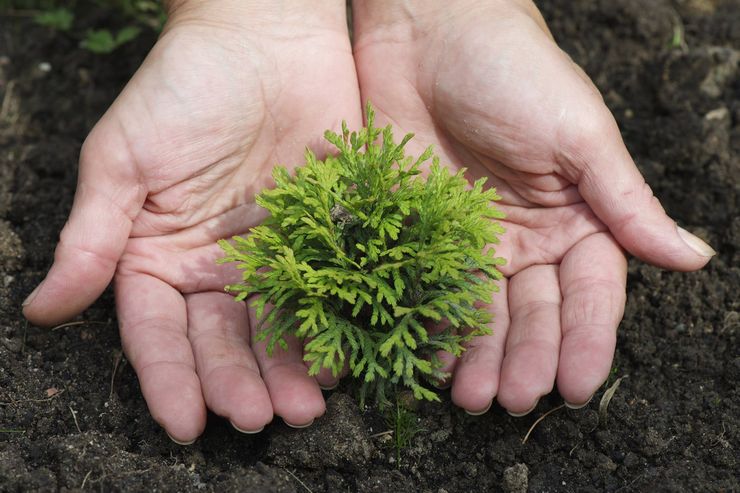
(229, 90)
(487, 85)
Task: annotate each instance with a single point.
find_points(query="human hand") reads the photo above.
(487, 85)
(230, 89)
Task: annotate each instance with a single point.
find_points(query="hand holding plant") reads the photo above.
(227, 92)
(485, 83)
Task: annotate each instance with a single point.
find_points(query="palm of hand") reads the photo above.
(501, 118)
(178, 159)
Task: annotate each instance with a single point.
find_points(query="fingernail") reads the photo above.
(31, 296)
(696, 243)
(444, 385)
(478, 413)
(329, 387)
(247, 432)
(519, 415)
(578, 406)
(298, 427)
(184, 444)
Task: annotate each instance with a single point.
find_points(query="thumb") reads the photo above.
(611, 184)
(108, 196)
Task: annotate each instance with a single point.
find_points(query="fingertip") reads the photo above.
(34, 312)
(74, 281)
(579, 404)
(29, 309)
(326, 379)
(667, 245)
(42, 314)
(480, 412)
(520, 414)
(179, 409)
(184, 433)
(247, 406)
(579, 377)
(247, 431)
(183, 443)
(474, 387)
(443, 384)
(29, 299)
(448, 363)
(329, 386)
(296, 397)
(304, 414)
(298, 426)
(699, 246)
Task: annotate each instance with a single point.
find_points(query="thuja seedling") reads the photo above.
(378, 267)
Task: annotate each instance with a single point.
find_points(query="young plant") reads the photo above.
(404, 426)
(61, 16)
(59, 19)
(377, 266)
(103, 41)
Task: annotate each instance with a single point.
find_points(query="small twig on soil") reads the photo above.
(119, 474)
(74, 416)
(629, 486)
(5, 108)
(570, 454)
(116, 362)
(720, 438)
(606, 398)
(382, 433)
(82, 486)
(9, 430)
(81, 322)
(25, 336)
(534, 425)
(299, 481)
(23, 401)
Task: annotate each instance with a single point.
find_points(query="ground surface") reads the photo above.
(71, 414)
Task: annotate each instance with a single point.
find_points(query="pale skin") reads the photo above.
(234, 87)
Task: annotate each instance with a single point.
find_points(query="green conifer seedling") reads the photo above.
(364, 256)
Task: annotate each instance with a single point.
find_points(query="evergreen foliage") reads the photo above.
(362, 256)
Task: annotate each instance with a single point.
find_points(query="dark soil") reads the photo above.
(71, 414)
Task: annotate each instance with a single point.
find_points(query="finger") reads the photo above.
(533, 342)
(153, 321)
(446, 360)
(611, 184)
(108, 197)
(593, 276)
(476, 379)
(325, 377)
(218, 331)
(327, 380)
(295, 395)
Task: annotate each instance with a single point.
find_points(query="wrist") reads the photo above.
(414, 17)
(254, 14)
